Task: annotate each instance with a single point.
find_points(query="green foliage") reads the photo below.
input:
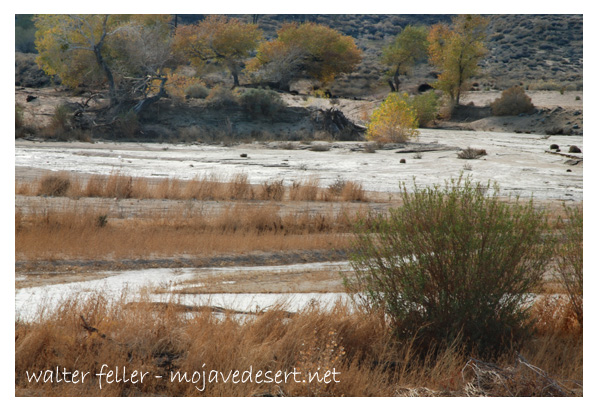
(260, 101)
(570, 261)
(452, 264)
(425, 106)
(408, 47)
(512, 102)
(456, 51)
(393, 121)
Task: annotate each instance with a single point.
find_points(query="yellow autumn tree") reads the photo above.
(218, 40)
(306, 50)
(105, 50)
(456, 52)
(394, 121)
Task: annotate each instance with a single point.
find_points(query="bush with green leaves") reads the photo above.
(426, 106)
(512, 102)
(570, 260)
(452, 264)
(261, 101)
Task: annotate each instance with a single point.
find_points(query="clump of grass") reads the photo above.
(304, 190)
(197, 90)
(472, 153)
(85, 332)
(54, 185)
(272, 190)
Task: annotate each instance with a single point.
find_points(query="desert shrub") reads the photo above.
(426, 107)
(197, 91)
(54, 185)
(472, 153)
(512, 102)
(260, 101)
(221, 96)
(570, 258)
(126, 125)
(19, 121)
(320, 147)
(19, 116)
(60, 122)
(393, 121)
(452, 265)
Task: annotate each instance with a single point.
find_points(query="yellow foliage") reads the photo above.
(394, 121)
(178, 83)
(320, 51)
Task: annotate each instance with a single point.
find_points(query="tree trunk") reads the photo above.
(392, 86)
(149, 100)
(396, 79)
(107, 73)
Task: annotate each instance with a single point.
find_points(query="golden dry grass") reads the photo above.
(162, 339)
(93, 233)
(208, 187)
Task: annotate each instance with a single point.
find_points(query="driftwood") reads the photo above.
(564, 155)
(523, 379)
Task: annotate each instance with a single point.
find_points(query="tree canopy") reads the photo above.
(408, 47)
(95, 49)
(456, 51)
(306, 50)
(218, 39)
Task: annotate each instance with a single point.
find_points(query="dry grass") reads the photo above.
(208, 187)
(83, 334)
(78, 232)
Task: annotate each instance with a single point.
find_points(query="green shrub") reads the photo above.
(260, 101)
(426, 107)
(570, 258)
(452, 265)
(197, 91)
(512, 102)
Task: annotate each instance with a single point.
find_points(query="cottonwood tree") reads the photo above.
(124, 52)
(456, 52)
(220, 40)
(308, 50)
(408, 47)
